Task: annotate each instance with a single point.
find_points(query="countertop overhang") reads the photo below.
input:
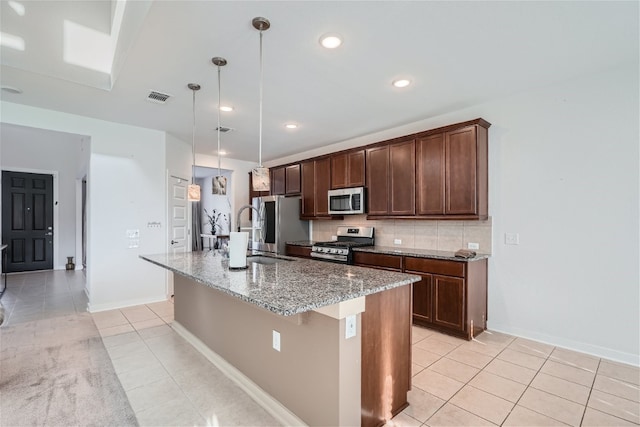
(288, 287)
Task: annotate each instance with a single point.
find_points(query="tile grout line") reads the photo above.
(525, 390)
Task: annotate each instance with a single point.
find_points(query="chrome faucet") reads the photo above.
(242, 210)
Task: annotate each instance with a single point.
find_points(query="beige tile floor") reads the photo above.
(495, 380)
(499, 379)
(167, 381)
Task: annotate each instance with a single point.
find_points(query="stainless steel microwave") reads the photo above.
(346, 201)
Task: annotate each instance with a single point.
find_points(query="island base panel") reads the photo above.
(317, 373)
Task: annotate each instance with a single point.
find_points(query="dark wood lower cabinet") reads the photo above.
(298, 251)
(422, 298)
(452, 295)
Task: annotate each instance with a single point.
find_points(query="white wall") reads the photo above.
(563, 173)
(127, 190)
(33, 150)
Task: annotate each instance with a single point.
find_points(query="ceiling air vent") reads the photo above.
(224, 129)
(158, 97)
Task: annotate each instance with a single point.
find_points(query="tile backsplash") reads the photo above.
(419, 234)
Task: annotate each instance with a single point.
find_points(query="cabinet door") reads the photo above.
(339, 164)
(292, 179)
(356, 169)
(378, 180)
(461, 173)
(308, 208)
(449, 302)
(323, 182)
(431, 178)
(277, 181)
(422, 298)
(402, 178)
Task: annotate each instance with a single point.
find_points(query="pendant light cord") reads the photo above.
(219, 174)
(193, 140)
(261, 79)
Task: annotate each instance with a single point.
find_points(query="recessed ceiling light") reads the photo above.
(291, 126)
(10, 89)
(401, 83)
(226, 108)
(331, 40)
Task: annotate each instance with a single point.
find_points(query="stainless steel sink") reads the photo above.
(263, 259)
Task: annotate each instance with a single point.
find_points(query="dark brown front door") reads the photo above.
(27, 220)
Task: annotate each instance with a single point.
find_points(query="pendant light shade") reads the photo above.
(260, 175)
(219, 182)
(193, 191)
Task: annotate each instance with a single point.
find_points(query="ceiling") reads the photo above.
(456, 54)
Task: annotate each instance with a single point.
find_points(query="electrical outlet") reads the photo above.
(397, 241)
(473, 245)
(511, 238)
(133, 234)
(350, 326)
(276, 340)
(334, 238)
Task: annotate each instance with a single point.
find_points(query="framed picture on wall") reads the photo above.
(219, 186)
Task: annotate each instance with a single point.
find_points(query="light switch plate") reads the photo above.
(397, 241)
(350, 326)
(511, 238)
(133, 234)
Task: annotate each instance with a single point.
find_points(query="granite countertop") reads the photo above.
(305, 243)
(288, 287)
(420, 253)
(394, 250)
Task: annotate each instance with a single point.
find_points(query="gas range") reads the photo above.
(341, 250)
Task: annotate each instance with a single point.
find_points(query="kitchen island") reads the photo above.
(306, 309)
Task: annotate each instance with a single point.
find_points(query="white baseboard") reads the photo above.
(264, 399)
(94, 308)
(594, 350)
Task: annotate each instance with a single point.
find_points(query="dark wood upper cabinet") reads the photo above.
(436, 174)
(378, 180)
(285, 180)
(452, 173)
(348, 169)
(402, 174)
(316, 178)
(292, 180)
(391, 179)
(430, 175)
(461, 171)
(278, 181)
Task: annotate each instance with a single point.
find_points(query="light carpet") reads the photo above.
(57, 372)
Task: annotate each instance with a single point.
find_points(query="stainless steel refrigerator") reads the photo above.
(279, 222)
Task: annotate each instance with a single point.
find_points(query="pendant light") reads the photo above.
(193, 193)
(260, 174)
(219, 182)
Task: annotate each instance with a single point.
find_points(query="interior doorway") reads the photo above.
(27, 220)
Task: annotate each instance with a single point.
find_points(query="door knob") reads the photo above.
(173, 242)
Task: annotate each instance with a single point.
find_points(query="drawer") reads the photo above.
(435, 266)
(298, 251)
(387, 262)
